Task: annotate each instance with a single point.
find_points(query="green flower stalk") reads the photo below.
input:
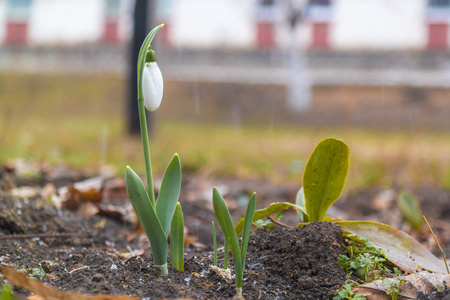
(155, 216)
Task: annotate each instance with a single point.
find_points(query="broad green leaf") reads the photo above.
(410, 208)
(226, 223)
(300, 201)
(400, 248)
(147, 216)
(247, 226)
(177, 239)
(271, 209)
(324, 176)
(169, 193)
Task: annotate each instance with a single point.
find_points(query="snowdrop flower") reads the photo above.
(152, 83)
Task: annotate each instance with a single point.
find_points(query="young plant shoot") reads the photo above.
(155, 216)
(214, 243)
(324, 177)
(177, 239)
(239, 252)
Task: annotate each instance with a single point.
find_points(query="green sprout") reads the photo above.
(177, 239)
(366, 260)
(393, 287)
(214, 242)
(34, 273)
(7, 292)
(155, 216)
(346, 293)
(239, 252)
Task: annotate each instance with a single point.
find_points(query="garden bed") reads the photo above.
(103, 253)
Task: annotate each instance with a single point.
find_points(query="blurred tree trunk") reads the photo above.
(143, 18)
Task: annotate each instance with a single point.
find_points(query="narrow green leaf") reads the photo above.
(271, 209)
(147, 216)
(226, 223)
(214, 243)
(247, 226)
(226, 250)
(177, 239)
(300, 201)
(410, 208)
(324, 176)
(400, 248)
(169, 193)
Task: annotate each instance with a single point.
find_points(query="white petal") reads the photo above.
(152, 86)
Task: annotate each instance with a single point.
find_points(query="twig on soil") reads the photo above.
(42, 235)
(437, 242)
(278, 222)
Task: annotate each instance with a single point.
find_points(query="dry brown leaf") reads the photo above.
(75, 197)
(49, 293)
(126, 255)
(35, 297)
(409, 289)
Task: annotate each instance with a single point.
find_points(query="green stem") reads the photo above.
(147, 156)
(239, 291)
(161, 270)
(142, 117)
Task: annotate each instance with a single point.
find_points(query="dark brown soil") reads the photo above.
(298, 263)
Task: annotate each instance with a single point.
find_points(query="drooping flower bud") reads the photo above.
(152, 82)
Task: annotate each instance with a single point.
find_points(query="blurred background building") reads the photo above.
(325, 24)
(297, 44)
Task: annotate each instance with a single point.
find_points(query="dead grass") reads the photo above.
(63, 119)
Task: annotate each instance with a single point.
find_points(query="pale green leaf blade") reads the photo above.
(247, 226)
(147, 216)
(324, 176)
(177, 239)
(271, 209)
(226, 223)
(400, 248)
(214, 243)
(300, 201)
(169, 193)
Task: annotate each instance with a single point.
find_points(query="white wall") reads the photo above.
(65, 22)
(213, 23)
(379, 24)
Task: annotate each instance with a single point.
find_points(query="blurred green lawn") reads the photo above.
(62, 119)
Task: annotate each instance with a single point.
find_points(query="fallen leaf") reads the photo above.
(400, 248)
(49, 293)
(424, 282)
(75, 197)
(126, 255)
(115, 190)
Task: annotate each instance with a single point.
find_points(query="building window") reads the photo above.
(438, 10)
(18, 8)
(17, 14)
(439, 3)
(112, 7)
(111, 22)
(319, 3)
(267, 2)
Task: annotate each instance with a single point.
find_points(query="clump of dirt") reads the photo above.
(304, 259)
